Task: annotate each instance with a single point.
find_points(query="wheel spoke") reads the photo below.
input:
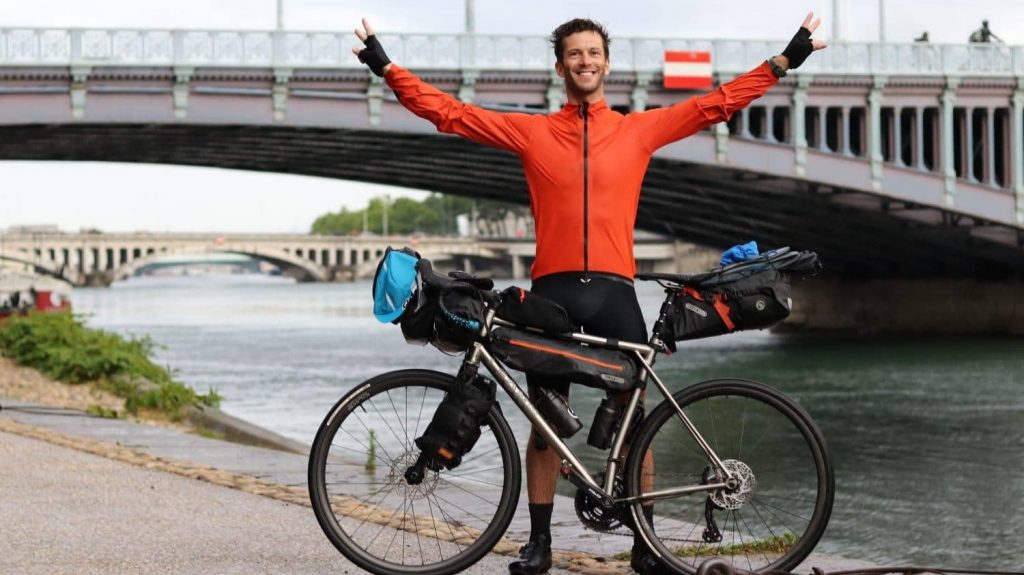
(464, 511)
(767, 443)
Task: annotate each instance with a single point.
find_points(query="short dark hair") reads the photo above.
(574, 26)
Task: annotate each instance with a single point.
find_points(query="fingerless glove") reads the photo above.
(373, 55)
(799, 48)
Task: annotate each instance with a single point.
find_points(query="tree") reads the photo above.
(436, 214)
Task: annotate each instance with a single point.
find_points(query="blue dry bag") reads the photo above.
(394, 284)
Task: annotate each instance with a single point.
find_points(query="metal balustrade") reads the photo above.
(257, 48)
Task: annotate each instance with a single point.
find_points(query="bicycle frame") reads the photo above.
(645, 353)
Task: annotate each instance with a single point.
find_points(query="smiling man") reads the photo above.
(584, 167)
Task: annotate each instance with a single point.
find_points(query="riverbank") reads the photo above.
(175, 449)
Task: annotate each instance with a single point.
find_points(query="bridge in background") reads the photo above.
(100, 259)
(892, 160)
(900, 162)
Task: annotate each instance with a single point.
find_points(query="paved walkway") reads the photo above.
(76, 512)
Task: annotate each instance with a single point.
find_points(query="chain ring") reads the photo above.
(742, 493)
(596, 517)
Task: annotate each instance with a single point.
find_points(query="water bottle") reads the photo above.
(606, 419)
(557, 412)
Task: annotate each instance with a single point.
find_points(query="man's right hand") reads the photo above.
(372, 54)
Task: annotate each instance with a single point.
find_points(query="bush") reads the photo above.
(61, 347)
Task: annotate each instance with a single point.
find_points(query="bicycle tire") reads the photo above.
(775, 519)
(356, 481)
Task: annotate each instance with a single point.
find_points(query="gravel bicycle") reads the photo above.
(740, 471)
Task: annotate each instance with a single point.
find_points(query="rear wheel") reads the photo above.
(780, 495)
(387, 524)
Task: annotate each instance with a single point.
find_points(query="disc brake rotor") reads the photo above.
(396, 475)
(738, 495)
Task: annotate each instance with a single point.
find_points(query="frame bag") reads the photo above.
(534, 354)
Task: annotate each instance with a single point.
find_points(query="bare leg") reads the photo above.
(542, 467)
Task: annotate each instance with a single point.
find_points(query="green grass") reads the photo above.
(62, 348)
(776, 544)
(209, 433)
(100, 411)
(371, 455)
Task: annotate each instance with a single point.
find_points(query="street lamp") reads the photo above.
(280, 15)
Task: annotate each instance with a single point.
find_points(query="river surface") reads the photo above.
(927, 435)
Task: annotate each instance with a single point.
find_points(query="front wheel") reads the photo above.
(388, 524)
(780, 495)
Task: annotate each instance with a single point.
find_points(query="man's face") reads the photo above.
(584, 64)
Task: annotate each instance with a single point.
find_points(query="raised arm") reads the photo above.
(665, 125)
(506, 131)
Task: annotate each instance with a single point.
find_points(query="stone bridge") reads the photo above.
(101, 258)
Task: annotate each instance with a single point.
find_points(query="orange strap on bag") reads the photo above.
(719, 304)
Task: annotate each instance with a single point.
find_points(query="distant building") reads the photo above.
(33, 229)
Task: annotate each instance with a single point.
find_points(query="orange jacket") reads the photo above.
(584, 171)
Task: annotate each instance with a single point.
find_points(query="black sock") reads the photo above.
(540, 519)
(638, 543)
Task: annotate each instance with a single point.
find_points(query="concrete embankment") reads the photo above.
(939, 307)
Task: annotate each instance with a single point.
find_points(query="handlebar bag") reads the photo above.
(534, 354)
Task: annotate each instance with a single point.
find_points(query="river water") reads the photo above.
(927, 435)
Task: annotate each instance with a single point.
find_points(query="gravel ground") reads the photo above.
(72, 512)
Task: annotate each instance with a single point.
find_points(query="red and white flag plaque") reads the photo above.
(687, 70)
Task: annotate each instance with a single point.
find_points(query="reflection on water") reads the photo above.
(927, 435)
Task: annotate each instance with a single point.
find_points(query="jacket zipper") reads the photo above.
(586, 193)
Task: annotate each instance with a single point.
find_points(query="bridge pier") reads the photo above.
(95, 278)
(924, 307)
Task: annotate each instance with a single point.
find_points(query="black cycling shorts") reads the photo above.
(606, 306)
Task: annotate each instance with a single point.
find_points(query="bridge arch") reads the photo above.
(299, 268)
(687, 195)
(38, 268)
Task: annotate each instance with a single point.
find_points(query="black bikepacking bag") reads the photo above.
(459, 317)
(448, 316)
(756, 302)
(455, 427)
(754, 294)
(526, 309)
(533, 354)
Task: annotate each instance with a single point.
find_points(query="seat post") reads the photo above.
(666, 306)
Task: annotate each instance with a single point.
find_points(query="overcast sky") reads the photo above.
(116, 197)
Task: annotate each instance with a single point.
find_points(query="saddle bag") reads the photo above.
(754, 294)
(534, 354)
(455, 427)
(757, 302)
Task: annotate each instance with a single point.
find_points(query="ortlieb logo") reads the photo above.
(696, 309)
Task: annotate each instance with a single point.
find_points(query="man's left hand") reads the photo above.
(802, 45)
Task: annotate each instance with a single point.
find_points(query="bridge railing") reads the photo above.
(294, 49)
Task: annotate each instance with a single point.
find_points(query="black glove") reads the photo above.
(799, 48)
(374, 57)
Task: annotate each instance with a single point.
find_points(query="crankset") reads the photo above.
(594, 514)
